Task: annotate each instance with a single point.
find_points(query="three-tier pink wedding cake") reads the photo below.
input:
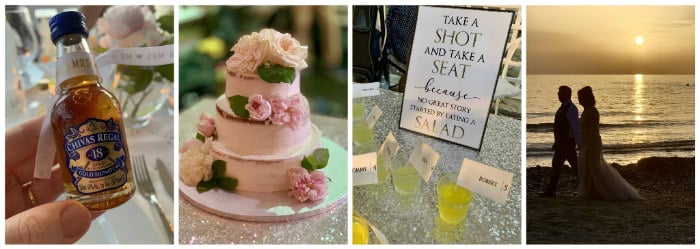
(260, 132)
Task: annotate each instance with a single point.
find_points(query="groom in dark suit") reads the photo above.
(566, 138)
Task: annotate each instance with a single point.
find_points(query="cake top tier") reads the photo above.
(267, 48)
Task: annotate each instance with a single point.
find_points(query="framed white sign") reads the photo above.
(453, 70)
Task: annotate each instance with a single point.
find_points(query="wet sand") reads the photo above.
(665, 216)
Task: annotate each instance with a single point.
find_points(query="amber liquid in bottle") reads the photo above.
(89, 132)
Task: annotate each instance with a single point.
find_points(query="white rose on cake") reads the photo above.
(284, 50)
(195, 162)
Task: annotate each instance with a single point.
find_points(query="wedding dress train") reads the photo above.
(599, 181)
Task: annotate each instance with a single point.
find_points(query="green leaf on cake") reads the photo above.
(203, 186)
(322, 157)
(219, 168)
(276, 74)
(201, 137)
(237, 104)
(227, 184)
(219, 180)
(309, 163)
(317, 160)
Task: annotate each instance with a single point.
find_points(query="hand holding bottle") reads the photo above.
(31, 215)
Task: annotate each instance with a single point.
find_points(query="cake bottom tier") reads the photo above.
(265, 173)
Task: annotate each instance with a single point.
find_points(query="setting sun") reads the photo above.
(639, 40)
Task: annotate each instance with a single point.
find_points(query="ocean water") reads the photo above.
(640, 115)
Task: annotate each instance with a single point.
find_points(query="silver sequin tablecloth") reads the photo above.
(418, 223)
(200, 227)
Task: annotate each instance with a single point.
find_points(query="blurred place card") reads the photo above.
(364, 169)
(455, 59)
(373, 116)
(424, 159)
(485, 180)
(390, 147)
(360, 90)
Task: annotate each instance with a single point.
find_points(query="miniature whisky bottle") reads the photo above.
(87, 122)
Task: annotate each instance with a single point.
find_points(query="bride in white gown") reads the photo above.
(598, 180)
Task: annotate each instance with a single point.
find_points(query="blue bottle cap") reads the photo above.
(69, 22)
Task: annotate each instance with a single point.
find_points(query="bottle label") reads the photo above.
(75, 64)
(96, 156)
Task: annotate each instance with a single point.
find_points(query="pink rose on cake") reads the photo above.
(284, 50)
(305, 186)
(259, 108)
(206, 125)
(195, 163)
(249, 53)
(128, 26)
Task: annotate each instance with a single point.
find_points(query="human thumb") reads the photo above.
(60, 222)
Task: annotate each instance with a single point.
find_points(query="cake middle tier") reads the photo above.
(250, 137)
(265, 173)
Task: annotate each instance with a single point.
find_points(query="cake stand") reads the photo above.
(276, 206)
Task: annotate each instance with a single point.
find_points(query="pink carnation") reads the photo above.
(290, 111)
(297, 117)
(258, 107)
(279, 110)
(206, 125)
(305, 186)
(279, 104)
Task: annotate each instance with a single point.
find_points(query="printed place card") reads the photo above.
(485, 180)
(364, 169)
(360, 90)
(390, 147)
(424, 159)
(373, 116)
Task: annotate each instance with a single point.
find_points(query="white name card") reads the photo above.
(424, 159)
(364, 169)
(455, 59)
(360, 90)
(390, 147)
(373, 116)
(485, 180)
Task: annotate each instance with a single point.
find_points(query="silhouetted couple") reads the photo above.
(597, 180)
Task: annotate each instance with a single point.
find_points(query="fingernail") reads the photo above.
(75, 219)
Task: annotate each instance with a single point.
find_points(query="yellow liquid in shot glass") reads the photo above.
(360, 233)
(358, 109)
(406, 180)
(453, 203)
(361, 133)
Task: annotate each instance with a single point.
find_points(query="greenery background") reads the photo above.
(207, 33)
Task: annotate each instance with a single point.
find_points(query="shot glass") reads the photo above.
(358, 108)
(453, 200)
(406, 178)
(362, 135)
(383, 165)
(360, 230)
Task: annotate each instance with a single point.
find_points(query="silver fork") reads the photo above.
(145, 186)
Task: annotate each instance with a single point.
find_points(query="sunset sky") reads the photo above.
(610, 39)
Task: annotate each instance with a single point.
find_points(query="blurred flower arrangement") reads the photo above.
(135, 26)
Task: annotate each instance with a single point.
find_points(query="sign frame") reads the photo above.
(495, 80)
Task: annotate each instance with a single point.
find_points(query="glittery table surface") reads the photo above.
(200, 227)
(417, 221)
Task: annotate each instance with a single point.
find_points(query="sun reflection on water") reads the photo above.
(639, 99)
